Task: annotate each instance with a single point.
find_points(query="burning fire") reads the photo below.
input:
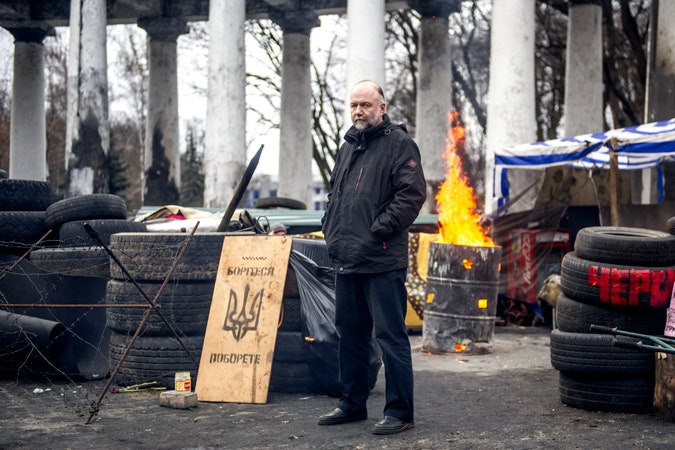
(457, 217)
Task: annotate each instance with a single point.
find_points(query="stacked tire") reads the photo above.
(185, 302)
(163, 348)
(82, 266)
(78, 253)
(22, 213)
(621, 278)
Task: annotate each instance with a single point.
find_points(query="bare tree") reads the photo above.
(127, 125)
(626, 25)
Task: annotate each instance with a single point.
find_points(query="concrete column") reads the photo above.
(583, 68)
(88, 129)
(225, 140)
(434, 91)
(660, 98)
(583, 89)
(161, 162)
(365, 46)
(28, 135)
(511, 108)
(295, 141)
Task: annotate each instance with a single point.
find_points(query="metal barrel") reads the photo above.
(461, 298)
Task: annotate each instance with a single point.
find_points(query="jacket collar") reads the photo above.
(353, 136)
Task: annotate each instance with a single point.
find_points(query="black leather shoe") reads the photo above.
(391, 425)
(338, 416)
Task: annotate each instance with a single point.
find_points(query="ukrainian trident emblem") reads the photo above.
(243, 314)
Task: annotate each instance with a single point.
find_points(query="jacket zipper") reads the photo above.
(358, 180)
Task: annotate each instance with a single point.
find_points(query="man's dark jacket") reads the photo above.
(377, 191)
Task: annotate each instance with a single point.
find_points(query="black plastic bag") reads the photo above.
(316, 286)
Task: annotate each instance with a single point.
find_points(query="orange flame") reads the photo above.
(457, 217)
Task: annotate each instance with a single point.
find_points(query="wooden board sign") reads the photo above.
(236, 359)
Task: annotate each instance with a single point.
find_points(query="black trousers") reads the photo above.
(367, 302)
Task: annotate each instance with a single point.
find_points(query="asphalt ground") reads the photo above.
(507, 399)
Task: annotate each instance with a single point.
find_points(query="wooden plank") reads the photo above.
(236, 359)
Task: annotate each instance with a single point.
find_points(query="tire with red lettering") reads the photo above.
(616, 285)
(625, 245)
(595, 354)
(620, 395)
(577, 317)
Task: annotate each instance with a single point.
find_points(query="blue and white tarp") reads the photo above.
(637, 147)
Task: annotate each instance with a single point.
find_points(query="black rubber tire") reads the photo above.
(623, 395)
(314, 249)
(290, 346)
(596, 282)
(91, 261)
(21, 229)
(73, 234)
(85, 207)
(594, 354)
(186, 307)
(149, 256)
(24, 195)
(3, 174)
(153, 358)
(292, 378)
(627, 246)
(291, 284)
(577, 317)
(279, 202)
(290, 317)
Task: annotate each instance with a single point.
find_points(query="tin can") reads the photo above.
(183, 382)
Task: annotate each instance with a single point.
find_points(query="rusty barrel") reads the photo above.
(461, 298)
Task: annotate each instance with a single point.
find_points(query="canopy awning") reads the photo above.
(636, 147)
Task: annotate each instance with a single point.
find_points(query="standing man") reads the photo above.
(377, 191)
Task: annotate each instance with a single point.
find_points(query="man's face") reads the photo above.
(366, 106)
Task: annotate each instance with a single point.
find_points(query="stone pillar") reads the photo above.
(295, 141)
(28, 134)
(88, 129)
(225, 140)
(511, 108)
(161, 161)
(583, 90)
(583, 68)
(660, 96)
(434, 91)
(365, 46)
